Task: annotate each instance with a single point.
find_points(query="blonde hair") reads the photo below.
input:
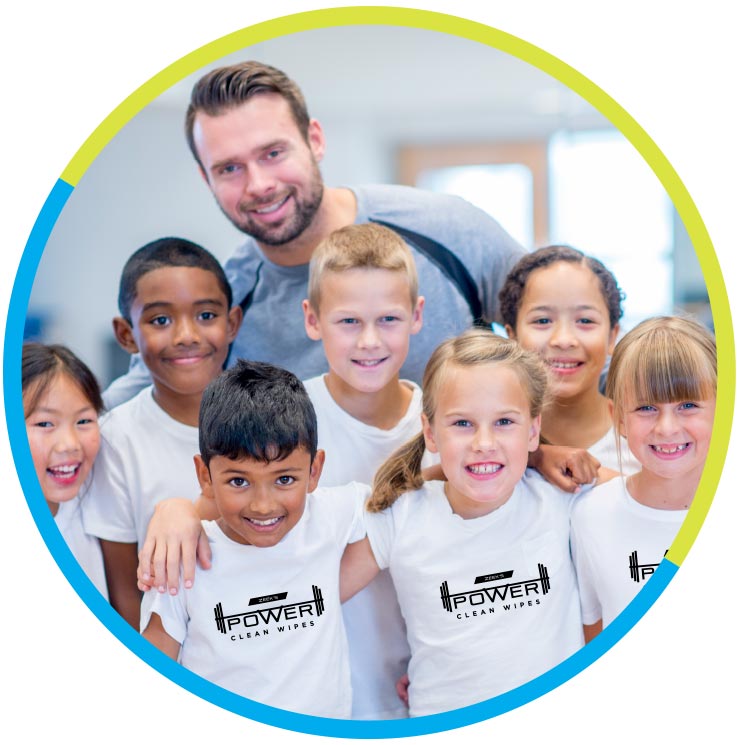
(662, 360)
(367, 246)
(402, 471)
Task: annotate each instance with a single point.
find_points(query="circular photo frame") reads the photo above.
(339, 18)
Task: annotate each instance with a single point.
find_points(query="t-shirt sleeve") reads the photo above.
(360, 494)
(170, 608)
(127, 386)
(344, 504)
(381, 529)
(107, 510)
(591, 610)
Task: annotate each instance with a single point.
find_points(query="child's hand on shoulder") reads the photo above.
(565, 467)
(174, 536)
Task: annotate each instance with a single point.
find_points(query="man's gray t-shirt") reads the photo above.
(453, 239)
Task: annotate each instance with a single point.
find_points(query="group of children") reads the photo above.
(368, 548)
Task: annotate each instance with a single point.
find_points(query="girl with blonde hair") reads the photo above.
(662, 384)
(480, 561)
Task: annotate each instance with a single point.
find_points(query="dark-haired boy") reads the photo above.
(265, 622)
(176, 311)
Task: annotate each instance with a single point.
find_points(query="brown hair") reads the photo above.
(662, 360)
(510, 296)
(367, 246)
(227, 87)
(402, 471)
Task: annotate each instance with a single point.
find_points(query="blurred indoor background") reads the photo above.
(397, 105)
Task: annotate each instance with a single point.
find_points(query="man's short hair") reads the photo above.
(366, 246)
(228, 87)
(256, 410)
(166, 252)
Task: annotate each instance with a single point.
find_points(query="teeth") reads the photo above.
(368, 363)
(564, 365)
(263, 523)
(485, 468)
(66, 470)
(670, 450)
(272, 207)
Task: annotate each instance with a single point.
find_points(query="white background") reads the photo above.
(674, 67)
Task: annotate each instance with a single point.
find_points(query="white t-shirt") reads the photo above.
(84, 547)
(265, 623)
(617, 543)
(379, 651)
(145, 456)
(606, 452)
(490, 603)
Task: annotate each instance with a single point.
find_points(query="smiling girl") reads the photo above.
(662, 382)
(480, 562)
(61, 403)
(567, 307)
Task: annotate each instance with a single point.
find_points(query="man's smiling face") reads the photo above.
(263, 173)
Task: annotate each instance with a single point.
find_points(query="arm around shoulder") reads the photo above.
(120, 562)
(357, 568)
(155, 634)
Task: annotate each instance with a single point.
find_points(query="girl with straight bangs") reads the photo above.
(61, 404)
(480, 561)
(662, 383)
(567, 306)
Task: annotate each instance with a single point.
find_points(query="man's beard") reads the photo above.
(294, 225)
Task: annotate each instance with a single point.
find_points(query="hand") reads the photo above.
(565, 467)
(402, 689)
(174, 536)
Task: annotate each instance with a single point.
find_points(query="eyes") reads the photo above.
(49, 424)
(653, 409)
(271, 155)
(466, 423)
(546, 321)
(163, 320)
(383, 320)
(239, 482)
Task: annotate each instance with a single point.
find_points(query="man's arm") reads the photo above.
(120, 562)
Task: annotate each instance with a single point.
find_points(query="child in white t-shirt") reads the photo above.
(61, 403)
(567, 307)
(481, 561)
(176, 311)
(662, 383)
(364, 305)
(266, 621)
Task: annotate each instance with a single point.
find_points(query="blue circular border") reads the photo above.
(225, 699)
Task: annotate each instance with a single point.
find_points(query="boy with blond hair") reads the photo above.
(364, 306)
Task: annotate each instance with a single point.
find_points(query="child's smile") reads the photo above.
(182, 327)
(259, 502)
(484, 433)
(64, 438)
(364, 322)
(671, 440)
(564, 318)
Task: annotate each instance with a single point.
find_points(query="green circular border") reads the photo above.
(546, 62)
(464, 28)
